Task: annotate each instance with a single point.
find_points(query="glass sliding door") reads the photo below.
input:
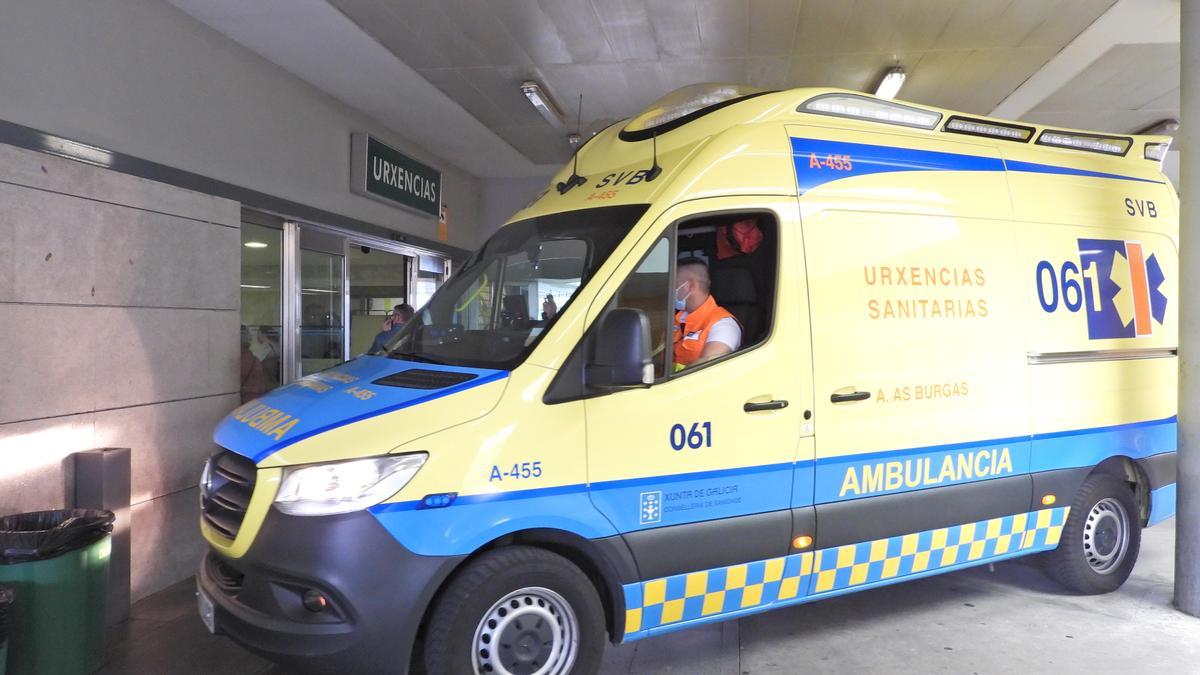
(379, 284)
(262, 308)
(430, 275)
(322, 308)
(313, 296)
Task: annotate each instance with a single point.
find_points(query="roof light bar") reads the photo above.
(871, 110)
(974, 127)
(1156, 151)
(1108, 145)
(682, 105)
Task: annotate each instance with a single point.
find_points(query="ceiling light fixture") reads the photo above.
(255, 244)
(1166, 127)
(889, 86)
(538, 98)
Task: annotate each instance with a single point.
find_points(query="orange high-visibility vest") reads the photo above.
(692, 334)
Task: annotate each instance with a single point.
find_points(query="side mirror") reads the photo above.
(621, 351)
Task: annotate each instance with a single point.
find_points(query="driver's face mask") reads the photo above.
(681, 303)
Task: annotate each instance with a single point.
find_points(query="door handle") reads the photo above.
(764, 405)
(852, 396)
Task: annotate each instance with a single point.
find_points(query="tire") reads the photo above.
(1101, 538)
(493, 615)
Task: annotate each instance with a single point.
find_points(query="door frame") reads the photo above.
(290, 299)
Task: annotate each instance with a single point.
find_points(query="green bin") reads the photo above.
(6, 598)
(56, 562)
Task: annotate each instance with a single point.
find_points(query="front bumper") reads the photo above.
(378, 592)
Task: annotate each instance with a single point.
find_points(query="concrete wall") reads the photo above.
(143, 78)
(118, 328)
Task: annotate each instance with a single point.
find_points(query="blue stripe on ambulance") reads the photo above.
(867, 159)
(323, 401)
(476, 519)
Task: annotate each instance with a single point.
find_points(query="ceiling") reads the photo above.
(1128, 88)
(623, 54)
(447, 74)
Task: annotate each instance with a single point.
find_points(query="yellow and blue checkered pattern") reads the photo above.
(710, 594)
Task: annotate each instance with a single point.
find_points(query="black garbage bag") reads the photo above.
(6, 600)
(40, 535)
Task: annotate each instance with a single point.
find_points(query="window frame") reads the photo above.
(773, 315)
(579, 353)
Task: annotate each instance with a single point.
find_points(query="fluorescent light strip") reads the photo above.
(890, 85)
(541, 102)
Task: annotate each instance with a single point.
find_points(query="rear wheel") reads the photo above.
(517, 611)
(1101, 538)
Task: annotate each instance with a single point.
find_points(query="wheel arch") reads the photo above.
(1124, 468)
(607, 563)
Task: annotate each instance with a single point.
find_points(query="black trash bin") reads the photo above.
(56, 563)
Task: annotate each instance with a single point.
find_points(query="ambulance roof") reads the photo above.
(668, 133)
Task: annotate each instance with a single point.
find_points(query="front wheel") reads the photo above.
(517, 611)
(1101, 538)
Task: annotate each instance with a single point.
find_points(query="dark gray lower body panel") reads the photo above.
(891, 515)
(664, 551)
(1160, 469)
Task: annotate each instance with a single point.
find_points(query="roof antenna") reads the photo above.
(656, 169)
(575, 180)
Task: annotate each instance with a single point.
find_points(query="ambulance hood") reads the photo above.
(369, 386)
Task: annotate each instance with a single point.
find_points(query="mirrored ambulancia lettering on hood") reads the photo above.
(356, 390)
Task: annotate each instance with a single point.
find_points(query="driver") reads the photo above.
(703, 330)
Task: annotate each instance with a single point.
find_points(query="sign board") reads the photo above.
(382, 172)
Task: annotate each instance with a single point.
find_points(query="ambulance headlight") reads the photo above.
(341, 487)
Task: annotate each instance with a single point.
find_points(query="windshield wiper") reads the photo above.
(413, 356)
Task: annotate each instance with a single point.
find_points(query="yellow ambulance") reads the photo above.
(953, 342)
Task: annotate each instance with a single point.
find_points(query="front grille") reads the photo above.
(420, 378)
(227, 496)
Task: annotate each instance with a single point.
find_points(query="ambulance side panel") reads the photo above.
(1099, 269)
(911, 278)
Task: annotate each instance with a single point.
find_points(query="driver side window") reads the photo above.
(723, 269)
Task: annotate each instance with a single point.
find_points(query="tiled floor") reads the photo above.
(1010, 619)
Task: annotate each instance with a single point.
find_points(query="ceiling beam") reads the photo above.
(1126, 22)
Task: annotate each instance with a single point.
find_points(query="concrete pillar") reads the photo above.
(1187, 521)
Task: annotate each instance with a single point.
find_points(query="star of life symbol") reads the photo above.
(651, 508)
(1126, 300)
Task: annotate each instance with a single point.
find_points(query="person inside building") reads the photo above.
(703, 329)
(253, 377)
(269, 352)
(400, 315)
(549, 308)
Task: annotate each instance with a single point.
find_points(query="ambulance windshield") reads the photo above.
(492, 312)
